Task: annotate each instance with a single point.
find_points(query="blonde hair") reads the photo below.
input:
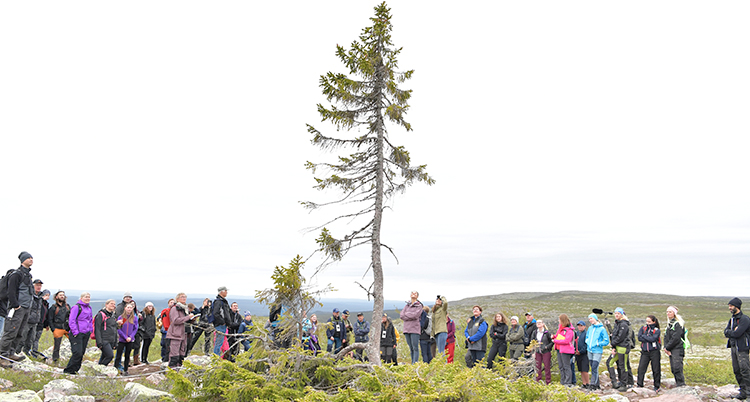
(84, 294)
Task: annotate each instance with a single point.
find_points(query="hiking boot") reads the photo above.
(17, 357)
(5, 363)
(622, 388)
(136, 362)
(741, 396)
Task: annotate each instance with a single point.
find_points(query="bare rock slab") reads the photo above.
(56, 389)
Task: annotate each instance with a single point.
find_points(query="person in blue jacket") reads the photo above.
(335, 332)
(596, 338)
(476, 335)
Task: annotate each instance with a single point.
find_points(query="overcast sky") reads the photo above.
(159, 146)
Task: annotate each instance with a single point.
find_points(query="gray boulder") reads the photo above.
(140, 393)
(98, 369)
(5, 384)
(727, 391)
(20, 396)
(198, 360)
(56, 389)
(65, 352)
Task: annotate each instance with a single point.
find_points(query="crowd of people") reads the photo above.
(120, 330)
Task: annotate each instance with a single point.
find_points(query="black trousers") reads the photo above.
(127, 347)
(78, 345)
(741, 367)
(675, 363)
(146, 346)
(653, 357)
(498, 348)
(108, 353)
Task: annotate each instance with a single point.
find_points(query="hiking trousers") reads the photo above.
(13, 331)
(675, 364)
(653, 357)
(741, 367)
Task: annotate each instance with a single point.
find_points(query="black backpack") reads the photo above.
(4, 284)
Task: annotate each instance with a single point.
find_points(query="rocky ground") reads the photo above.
(667, 393)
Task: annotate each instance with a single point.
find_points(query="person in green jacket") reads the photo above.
(440, 322)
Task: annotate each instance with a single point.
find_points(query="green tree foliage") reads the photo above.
(367, 99)
(291, 291)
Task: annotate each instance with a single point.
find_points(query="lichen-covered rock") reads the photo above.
(615, 398)
(5, 384)
(727, 391)
(20, 396)
(643, 392)
(98, 369)
(28, 365)
(65, 352)
(202, 361)
(141, 393)
(56, 389)
(156, 378)
(75, 398)
(93, 352)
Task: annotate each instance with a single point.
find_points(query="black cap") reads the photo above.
(360, 314)
(39, 281)
(736, 302)
(346, 312)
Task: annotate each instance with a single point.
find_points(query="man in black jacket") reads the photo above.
(58, 315)
(221, 313)
(19, 301)
(738, 334)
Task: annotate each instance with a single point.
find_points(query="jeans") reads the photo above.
(220, 331)
(594, 359)
(476, 356)
(413, 341)
(426, 352)
(441, 338)
(334, 345)
(2, 325)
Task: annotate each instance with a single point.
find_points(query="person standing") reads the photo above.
(542, 351)
(335, 332)
(410, 315)
(581, 354)
(737, 333)
(59, 312)
(19, 298)
(26, 346)
(425, 324)
(528, 327)
(515, 337)
(164, 321)
(563, 341)
(450, 340)
(476, 335)
(247, 322)
(128, 323)
(178, 316)
(650, 337)
(43, 324)
(235, 320)
(105, 332)
(221, 312)
(127, 298)
(673, 346)
(620, 351)
(596, 339)
(81, 325)
(147, 328)
(361, 334)
(203, 327)
(498, 333)
(440, 322)
(387, 340)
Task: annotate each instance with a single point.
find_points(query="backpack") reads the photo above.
(685, 342)
(164, 318)
(93, 323)
(210, 316)
(4, 284)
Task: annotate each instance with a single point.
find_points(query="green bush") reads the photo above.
(709, 371)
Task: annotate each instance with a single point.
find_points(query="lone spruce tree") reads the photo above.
(364, 101)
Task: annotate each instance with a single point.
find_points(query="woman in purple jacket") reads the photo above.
(81, 325)
(126, 335)
(411, 314)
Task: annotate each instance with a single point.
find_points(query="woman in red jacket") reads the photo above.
(563, 340)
